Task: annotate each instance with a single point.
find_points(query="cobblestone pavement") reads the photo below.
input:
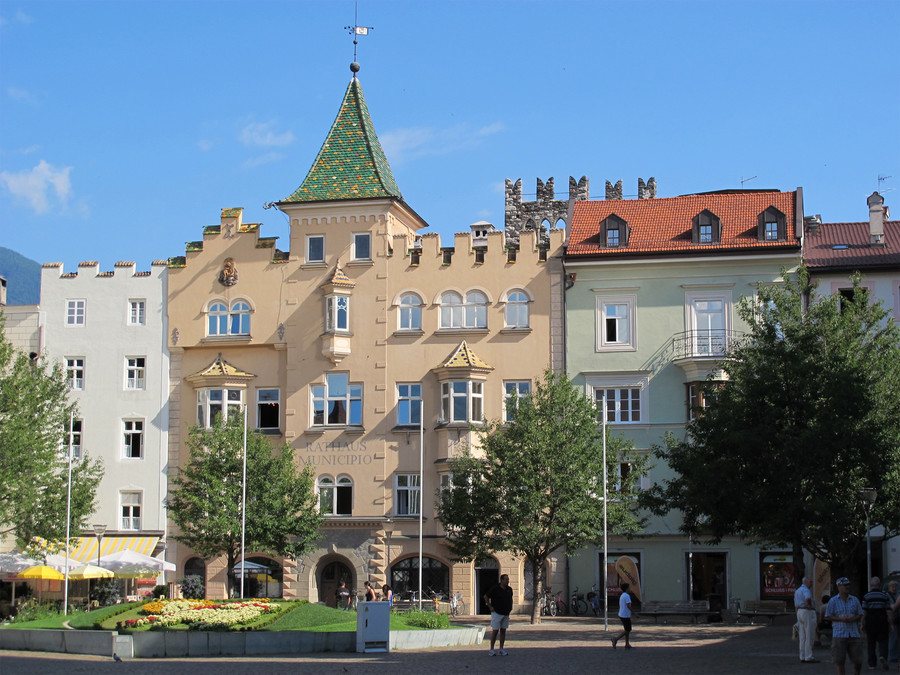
(557, 645)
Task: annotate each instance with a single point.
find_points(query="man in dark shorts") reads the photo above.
(845, 612)
(624, 617)
(500, 601)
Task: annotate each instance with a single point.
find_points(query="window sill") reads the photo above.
(405, 428)
(270, 432)
(616, 348)
(516, 331)
(409, 333)
(314, 265)
(226, 338)
(362, 262)
(456, 331)
(320, 429)
(337, 333)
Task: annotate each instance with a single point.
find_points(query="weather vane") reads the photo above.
(356, 30)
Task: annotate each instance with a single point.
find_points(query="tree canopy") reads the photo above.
(809, 417)
(205, 498)
(34, 417)
(534, 485)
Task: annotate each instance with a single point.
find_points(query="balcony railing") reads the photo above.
(693, 344)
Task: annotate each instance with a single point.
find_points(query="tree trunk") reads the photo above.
(537, 583)
(799, 564)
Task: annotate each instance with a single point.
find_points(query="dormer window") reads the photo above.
(707, 228)
(772, 225)
(613, 232)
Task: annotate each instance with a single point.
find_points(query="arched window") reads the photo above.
(410, 312)
(451, 310)
(475, 310)
(335, 499)
(224, 321)
(239, 323)
(218, 319)
(405, 576)
(516, 310)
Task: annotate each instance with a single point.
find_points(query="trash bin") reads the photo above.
(715, 607)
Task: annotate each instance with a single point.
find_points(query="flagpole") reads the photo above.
(244, 505)
(68, 512)
(605, 523)
(421, 486)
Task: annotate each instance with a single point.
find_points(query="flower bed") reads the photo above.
(200, 614)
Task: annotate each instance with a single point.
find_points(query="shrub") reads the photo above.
(106, 592)
(192, 588)
(158, 591)
(427, 619)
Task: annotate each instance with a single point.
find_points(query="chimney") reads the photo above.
(876, 219)
(812, 224)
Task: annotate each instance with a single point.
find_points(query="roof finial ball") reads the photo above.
(354, 68)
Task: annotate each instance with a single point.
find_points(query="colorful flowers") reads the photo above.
(201, 614)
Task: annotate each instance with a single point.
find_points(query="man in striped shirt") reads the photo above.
(845, 613)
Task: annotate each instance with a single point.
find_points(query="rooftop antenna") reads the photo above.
(881, 179)
(356, 30)
(746, 180)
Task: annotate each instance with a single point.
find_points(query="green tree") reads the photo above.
(205, 500)
(534, 485)
(34, 417)
(810, 415)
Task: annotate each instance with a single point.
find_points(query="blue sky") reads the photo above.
(125, 126)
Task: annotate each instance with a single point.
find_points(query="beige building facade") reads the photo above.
(367, 345)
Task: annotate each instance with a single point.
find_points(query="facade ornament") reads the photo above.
(175, 336)
(229, 274)
(281, 331)
(228, 230)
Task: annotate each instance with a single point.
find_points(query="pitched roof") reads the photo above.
(464, 357)
(351, 163)
(663, 226)
(845, 246)
(220, 368)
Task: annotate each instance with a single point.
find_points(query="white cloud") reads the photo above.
(267, 158)
(262, 134)
(36, 186)
(17, 94)
(411, 143)
(22, 17)
(207, 144)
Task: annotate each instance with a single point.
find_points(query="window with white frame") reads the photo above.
(335, 497)
(137, 312)
(708, 321)
(135, 372)
(76, 312)
(134, 438)
(616, 322)
(700, 396)
(516, 311)
(268, 409)
(74, 437)
(131, 510)
(338, 402)
(623, 404)
(446, 482)
(409, 404)
(222, 320)
(211, 403)
(75, 372)
(462, 401)
(410, 315)
(362, 246)
(514, 392)
(451, 310)
(475, 314)
(337, 313)
(408, 495)
(315, 248)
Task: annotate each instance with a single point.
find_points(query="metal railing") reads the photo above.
(693, 344)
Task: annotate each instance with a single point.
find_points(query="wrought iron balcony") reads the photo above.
(695, 344)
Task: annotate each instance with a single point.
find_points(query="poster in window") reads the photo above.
(623, 568)
(776, 572)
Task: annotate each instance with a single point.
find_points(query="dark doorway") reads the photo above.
(487, 575)
(332, 575)
(707, 573)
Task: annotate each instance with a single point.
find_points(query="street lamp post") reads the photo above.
(869, 495)
(99, 531)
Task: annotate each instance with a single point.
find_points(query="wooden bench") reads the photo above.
(658, 608)
(771, 609)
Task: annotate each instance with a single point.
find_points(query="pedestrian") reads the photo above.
(806, 620)
(624, 617)
(500, 601)
(876, 624)
(370, 592)
(845, 613)
(343, 596)
(388, 594)
(894, 641)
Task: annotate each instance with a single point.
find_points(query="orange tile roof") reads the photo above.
(853, 251)
(662, 226)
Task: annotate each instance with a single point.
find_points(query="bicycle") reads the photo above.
(457, 606)
(561, 607)
(578, 605)
(548, 604)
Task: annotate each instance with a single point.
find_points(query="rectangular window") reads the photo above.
(137, 312)
(616, 322)
(612, 237)
(135, 372)
(462, 401)
(771, 232)
(337, 402)
(514, 390)
(446, 482)
(75, 312)
(337, 313)
(212, 402)
(74, 438)
(709, 334)
(408, 494)
(75, 372)
(134, 439)
(268, 415)
(315, 248)
(362, 246)
(706, 234)
(622, 405)
(700, 395)
(409, 404)
(131, 510)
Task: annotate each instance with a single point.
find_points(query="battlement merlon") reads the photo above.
(230, 226)
(91, 269)
(522, 216)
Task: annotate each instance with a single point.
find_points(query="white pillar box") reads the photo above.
(373, 627)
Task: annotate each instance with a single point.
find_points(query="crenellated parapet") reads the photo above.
(231, 225)
(91, 269)
(543, 214)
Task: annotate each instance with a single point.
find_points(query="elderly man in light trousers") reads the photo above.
(806, 620)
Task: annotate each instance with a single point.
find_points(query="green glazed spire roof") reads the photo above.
(351, 163)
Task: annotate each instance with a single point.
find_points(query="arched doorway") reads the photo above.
(435, 576)
(487, 575)
(195, 567)
(264, 578)
(330, 577)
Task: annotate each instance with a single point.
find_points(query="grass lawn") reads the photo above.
(318, 618)
(76, 619)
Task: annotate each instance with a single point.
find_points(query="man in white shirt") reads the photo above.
(806, 620)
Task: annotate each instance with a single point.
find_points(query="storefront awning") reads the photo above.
(85, 548)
